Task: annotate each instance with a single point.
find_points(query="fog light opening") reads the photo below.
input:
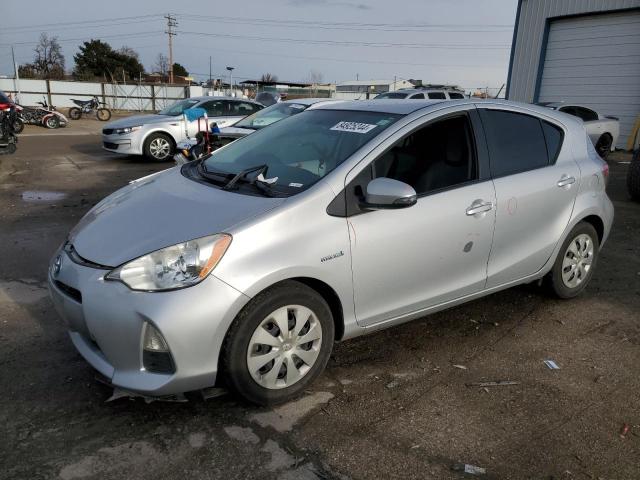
(156, 356)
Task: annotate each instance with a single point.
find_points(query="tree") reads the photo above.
(162, 65)
(97, 59)
(314, 77)
(268, 78)
(48, 61)
(128, 52)
(179, 70)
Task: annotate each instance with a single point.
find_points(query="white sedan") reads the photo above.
(602, 130)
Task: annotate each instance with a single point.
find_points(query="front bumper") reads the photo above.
(106, 321)
(129, 144)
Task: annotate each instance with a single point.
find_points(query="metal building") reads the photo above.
(579, 51)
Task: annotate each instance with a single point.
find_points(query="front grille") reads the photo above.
(70, 291)
(111, 146)
(107, 131)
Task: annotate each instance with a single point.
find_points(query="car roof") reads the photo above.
(211, 97)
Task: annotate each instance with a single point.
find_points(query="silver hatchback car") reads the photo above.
(243, 268)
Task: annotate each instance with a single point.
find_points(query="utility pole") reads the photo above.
(210, 85)
(16, 75)
(231, 80)
(171, 23)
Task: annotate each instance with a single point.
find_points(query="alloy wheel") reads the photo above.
(284, 347)
(159, 148)
(577, 261)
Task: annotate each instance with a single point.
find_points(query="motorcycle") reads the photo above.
(89, 106)
(44, 115)
(8, 137)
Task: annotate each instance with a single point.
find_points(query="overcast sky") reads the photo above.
(464, 42)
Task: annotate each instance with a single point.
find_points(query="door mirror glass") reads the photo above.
(385, 192)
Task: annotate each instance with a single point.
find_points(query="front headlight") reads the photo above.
(179, 266)
(125, 130)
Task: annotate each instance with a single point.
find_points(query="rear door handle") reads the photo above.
(479, 206)
(565, 181)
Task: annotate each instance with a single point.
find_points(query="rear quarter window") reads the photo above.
(516, 142)
(553, 137)
(455, 95)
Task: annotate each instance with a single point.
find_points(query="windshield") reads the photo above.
(271, 115)
(391, 95)
(179, 107)
(299, 151)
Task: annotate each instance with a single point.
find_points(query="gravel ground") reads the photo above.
(390, 405)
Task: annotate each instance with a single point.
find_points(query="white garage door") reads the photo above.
(595, 61)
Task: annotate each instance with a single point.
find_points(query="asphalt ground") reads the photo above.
(390, 405)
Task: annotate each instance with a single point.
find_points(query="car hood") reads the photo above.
(158, 211)
(142, 120)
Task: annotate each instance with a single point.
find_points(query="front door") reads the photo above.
(409, 259)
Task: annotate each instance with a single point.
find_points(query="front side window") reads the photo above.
(437, 95)
(418, 96)
(438, 156)
(214, 108)
(271, 115)
(298, 151)
(516, 142)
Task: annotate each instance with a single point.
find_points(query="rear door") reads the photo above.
(536, 181)
(236, 110)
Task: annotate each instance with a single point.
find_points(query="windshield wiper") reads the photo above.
(259, 169)
(212, 175)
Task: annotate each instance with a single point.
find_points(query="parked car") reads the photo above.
(633, 176)
(602, 130)
(155, 136)
(421, 93)
(245, 267)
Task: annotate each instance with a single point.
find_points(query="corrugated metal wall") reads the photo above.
(530, 36)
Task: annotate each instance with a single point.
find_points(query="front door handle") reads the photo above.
(479, 206)
(566, 181)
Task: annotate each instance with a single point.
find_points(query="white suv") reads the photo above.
(423, 93)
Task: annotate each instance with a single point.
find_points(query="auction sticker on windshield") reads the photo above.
(354, 127)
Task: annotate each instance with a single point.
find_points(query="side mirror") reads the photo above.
(387, 193)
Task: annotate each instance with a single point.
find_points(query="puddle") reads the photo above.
(42, 196)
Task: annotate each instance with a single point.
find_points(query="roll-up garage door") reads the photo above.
(594, 60)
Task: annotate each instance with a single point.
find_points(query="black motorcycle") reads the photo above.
(8, 137)
(89, 106)
(44, 115)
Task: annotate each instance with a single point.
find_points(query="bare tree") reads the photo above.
(48, 61)
(268, 77)
(129, 52)
(162, 65)
(314, 77)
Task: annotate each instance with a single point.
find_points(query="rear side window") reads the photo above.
(516, 142)
(437, 96)
(419, 95)
(553, 137)
(455, 95)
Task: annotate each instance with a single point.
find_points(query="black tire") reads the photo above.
(603, 145)
(52, 122)
(149, 150)
(234, 352)
(554, 278)
(18, 126)
(103, 114)
(75, 113)
(633, 176)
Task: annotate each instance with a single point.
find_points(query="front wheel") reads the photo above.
(576, 260)
(75, 113)
(18, 126)
(103, 114)
(52, 122)
(278, 344)
(158, 147)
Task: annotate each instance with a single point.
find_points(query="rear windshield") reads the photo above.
(298, 151)
(271, 115)
(388, 95)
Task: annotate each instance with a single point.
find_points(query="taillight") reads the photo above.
(5, 106)
(605, 172)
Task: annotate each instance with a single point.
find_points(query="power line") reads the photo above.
(353, 43)
(81, 22)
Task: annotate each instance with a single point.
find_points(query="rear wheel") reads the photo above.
(576, 260)
(158, 147)
(633, 176)
(278, 344)
(52, 122)
(18, 126)
(75, 113)
(103, 114)
(603, 145)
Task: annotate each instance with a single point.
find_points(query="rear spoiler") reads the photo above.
(611, 118)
